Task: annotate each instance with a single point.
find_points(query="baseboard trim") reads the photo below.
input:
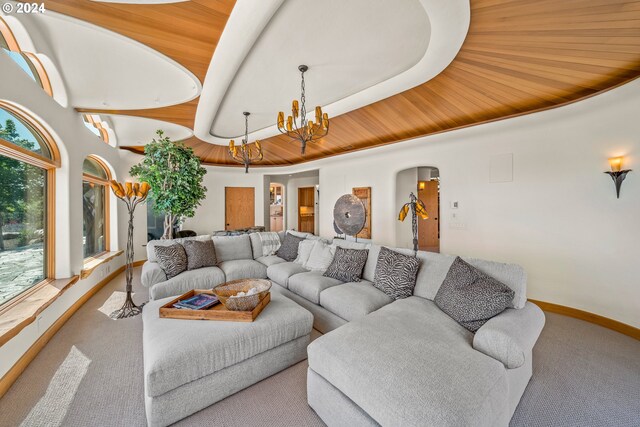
(12, 375)
(614, 325)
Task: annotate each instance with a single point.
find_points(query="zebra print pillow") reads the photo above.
(471, 297)
(396, 273)
(199, 254)
(347, 264)
(289, 248)
(172, 259)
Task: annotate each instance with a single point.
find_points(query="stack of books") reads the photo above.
(198, 302)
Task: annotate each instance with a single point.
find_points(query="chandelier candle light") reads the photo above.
(132, 195)
(246, 154)
(297, 126)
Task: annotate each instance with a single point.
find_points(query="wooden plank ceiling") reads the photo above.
(519, 56)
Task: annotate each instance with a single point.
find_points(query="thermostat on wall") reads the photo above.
(454, 205)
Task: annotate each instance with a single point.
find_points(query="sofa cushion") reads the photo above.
(353, 300)
(304, 251)
(425, 358)
(396, 273)
(177, 352)
(310, 284)
(347, 264)
(229, 248)
(270, 260)
(289, 248)
(199, 254)
(256, 245)
(151, 274)
(243, 269)
(280, 273)
(471, 297)
(350, 244)
(435, 267)
(151, 253)
(172, 259)
(320, 257)
(202, 278)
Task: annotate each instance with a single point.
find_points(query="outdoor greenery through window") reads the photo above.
(94, 208)
(23, 206)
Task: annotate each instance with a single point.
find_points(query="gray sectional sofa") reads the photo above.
(383, 361)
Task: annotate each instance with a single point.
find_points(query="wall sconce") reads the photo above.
(422, 185)
(616, 173)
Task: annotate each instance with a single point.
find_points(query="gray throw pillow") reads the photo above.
(172, 259)
(199, 254)
(396, 273)
(289, 248)
(347, 264)
(471, 297)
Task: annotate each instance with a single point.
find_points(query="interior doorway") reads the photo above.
(306, 209)
(424, 182)
(276, 207)
(429, 229)
(240, 211)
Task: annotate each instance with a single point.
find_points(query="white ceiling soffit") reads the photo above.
(140, 131)
(105, 70)
(358, 52)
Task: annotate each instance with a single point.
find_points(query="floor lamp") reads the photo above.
(132, 195)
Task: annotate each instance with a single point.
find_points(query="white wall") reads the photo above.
(559, 217)
(75, 143)
(291, 203)
(210, 215)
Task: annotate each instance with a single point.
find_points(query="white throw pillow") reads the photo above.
(304, 250)
(320, 257)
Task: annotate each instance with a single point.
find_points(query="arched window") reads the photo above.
(95, 207)
(96, 126)
(27, 61)
(28, 158)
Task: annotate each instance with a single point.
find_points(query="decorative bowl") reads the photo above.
(227, 291)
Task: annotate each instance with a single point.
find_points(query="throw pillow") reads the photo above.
(471, 297)
(347, 264)
(304, 250)
(396, 273)
(320, 257)
(172, 259)
(289, 248)
(199, 254)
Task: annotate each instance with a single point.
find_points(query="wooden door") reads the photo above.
(429, 229)
(306, 209)
(239, 207)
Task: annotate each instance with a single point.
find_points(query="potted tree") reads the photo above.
(175, 175)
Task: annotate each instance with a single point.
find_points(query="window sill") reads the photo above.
(25, 311)
(92, 263)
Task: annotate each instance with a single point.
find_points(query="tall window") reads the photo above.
(95, 207)
(27, 61)
(27, 164)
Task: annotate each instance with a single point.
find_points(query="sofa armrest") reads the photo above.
(152, 273)
(511, 335)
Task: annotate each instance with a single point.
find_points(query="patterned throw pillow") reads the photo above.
(172, 259)
(347, 264)
(396, 273)
(199, 254)
(289, 249)
(471, 297)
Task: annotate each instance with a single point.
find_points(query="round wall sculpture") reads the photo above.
(349, 214)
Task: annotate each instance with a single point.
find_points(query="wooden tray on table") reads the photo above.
(217, 312)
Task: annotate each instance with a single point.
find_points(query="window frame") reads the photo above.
(34, 63)
(13, 151)
(104, 135)
(106, 203)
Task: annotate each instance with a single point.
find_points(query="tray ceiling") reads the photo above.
(518, 57)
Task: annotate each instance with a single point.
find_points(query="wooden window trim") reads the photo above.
(8, 36)
(13, 151)
(104, 135)
(88, 261)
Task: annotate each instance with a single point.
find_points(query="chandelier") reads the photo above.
(297, 125)
(246, 154)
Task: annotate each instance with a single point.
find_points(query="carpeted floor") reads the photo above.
(90, 374)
